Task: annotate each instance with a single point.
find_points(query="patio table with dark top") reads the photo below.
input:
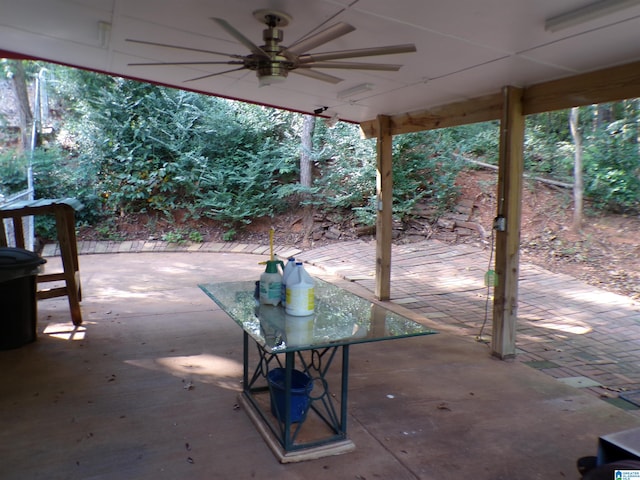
(304, 423)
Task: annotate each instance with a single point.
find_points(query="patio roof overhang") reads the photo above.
(466, 49)
(476, 60)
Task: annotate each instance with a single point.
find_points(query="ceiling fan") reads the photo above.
(272, 61)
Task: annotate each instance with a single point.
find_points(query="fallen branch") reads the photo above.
(494, 167)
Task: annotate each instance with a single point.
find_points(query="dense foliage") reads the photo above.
(611, 135)
(126, 147)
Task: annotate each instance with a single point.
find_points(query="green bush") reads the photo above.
(346, 166)
(612, 169)
(548, 148)
(477, 140)
(146, 146)
(159, 149)
(246, 186)
(13, 172)
(56, 174)
(423, 170)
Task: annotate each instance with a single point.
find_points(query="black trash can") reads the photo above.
(18, 306)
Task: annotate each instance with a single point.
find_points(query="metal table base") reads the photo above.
(288, 439)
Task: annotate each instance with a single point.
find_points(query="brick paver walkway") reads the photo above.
(584, 336)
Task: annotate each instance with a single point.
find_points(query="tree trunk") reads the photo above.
(308, 127)
(578, 185)
(306, 169)
(20, 88)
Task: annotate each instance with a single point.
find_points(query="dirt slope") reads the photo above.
(605, 253)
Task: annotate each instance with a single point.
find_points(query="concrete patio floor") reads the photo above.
(147, 388)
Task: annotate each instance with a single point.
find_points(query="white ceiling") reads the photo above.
(465, 48)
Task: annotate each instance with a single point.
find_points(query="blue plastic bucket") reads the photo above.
(301, 386)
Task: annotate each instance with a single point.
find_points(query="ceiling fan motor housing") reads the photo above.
(277, 65)
(272, 37)
(273, 69)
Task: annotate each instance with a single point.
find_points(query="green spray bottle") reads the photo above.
(271, 283)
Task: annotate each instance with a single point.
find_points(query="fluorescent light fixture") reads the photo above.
(350, 92)
(588, 12)
(104, 34)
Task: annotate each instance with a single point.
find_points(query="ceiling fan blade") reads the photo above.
(166, 45)
(230, 62)
(383, 67)
(360, 52)
(213, 74)
(324, 36)
(307, 72)
(256, 50)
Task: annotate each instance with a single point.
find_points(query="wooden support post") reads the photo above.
(384, 188)
(505, 303)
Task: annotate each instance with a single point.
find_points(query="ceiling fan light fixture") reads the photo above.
(271, 73)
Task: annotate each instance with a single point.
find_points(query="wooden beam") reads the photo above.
(384, 188)
(507, 268)
(481, 109)
(607, 85)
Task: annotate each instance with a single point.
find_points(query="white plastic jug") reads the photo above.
(288, 268)
(300, 300)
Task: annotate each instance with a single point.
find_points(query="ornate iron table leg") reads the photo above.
(316, 364)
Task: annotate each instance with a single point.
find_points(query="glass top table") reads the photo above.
(340, 318)
(307, 420)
